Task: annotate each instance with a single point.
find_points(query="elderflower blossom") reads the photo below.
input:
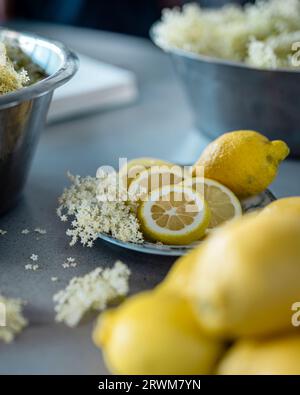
(14, 321)
(92, 292)
(40, 231)
(10, 79)
(95, 209)
(260, 35)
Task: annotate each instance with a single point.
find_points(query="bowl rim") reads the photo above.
(67, 69)
(211, 59)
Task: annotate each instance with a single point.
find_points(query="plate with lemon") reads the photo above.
(178, 208)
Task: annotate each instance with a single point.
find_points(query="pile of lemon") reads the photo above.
(177, 207)
(227, 306)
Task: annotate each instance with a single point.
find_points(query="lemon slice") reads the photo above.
(134, 167)
(223, 203)
(154, 178)
(175, 215)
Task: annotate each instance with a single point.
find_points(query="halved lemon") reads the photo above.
(154, 178)
(223, 203)
(174, 214)
(134, 167)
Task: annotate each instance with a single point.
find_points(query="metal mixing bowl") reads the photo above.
(23, 112)
(227, 96)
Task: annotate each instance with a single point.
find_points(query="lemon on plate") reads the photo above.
(245, 161)
(155, 333)
(223, 203)
(174, 214)
(134, 167)
(154, 178)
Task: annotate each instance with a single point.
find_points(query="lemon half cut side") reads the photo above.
(152, 179)
(134, 167)
(223, 203)
(174, 214)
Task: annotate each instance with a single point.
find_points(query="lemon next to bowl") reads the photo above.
(245, 161)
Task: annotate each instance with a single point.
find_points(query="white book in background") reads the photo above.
(96, 86)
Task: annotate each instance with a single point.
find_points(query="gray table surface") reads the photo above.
(159, 124)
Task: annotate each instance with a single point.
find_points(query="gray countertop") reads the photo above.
(159, 124)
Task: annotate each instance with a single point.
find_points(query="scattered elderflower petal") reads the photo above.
(93, 204)
(65, 265)
(25, 232)
(54, 279)
(35, 267)
(40, 231)
(70, 262)
(28, 266)
(34, 257)
(3, 232)
(14, 321)
(92, 292)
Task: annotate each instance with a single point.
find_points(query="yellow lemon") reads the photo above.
(154, 178)
(134, 167)
(179, 276)
(245, 161)
(279, 355)
(223, 203)
(282, 206)
(247, 277)
(153, 333)
(175, 215)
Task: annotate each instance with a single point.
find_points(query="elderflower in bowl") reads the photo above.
(31, 68)
(239, 65)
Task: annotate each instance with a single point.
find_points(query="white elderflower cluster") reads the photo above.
(10, 79)
(93, 215)
(92, 292)
(261, 34)
(12, 318)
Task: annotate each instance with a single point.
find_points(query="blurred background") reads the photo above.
(124, 16)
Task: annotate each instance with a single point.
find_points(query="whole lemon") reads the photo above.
(245, 161)
(179, 276)
(282, 206)
(279, 355)
(248, 276)
(153, 333)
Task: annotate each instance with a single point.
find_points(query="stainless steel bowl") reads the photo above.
(23, 113)
(229, 96)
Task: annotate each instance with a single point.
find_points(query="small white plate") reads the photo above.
(250, 204)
